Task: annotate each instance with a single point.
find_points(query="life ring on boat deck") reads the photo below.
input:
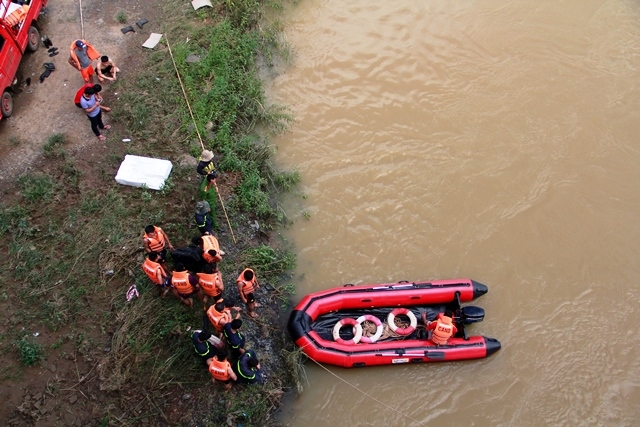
(375, 337)
(402, 331)
(357, 331)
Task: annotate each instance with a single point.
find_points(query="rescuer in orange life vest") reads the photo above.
(220, 369)
(211, 251)
(441, 329)
(219, 315)
(210, 281)
(184, 285)
(156, 240)
(156, 273)
(247, 285)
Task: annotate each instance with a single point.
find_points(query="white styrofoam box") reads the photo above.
(143, 171)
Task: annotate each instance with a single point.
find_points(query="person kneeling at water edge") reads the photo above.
(248, 368)
(220, 369)
(441, 329)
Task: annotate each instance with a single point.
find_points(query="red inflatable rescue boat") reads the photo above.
(328, 325)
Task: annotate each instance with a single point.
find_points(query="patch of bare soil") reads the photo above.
(43, 109)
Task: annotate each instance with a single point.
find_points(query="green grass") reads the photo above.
(37, 187)
(121, 17)
(30, 351)
(53, 146)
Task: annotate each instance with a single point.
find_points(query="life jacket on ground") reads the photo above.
(155, 244)
(219, 370)
(210, 242)
(180, 281)
(215, 318)
(208, 283)
(151, 269)
(247, 286)
(443, 330)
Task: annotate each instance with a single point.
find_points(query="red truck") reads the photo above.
(18, 33)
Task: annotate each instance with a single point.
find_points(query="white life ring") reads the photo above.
(375, 337)
(402, 331)
(357, 331)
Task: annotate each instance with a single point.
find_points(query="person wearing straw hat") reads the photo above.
(205, 163)
(204, 222)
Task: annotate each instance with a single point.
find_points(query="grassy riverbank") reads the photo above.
(71, 241)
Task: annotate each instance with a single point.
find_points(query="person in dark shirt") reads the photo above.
(202, 346)
(234, 338)
(205, 163)
(247, 368)
(203, 218)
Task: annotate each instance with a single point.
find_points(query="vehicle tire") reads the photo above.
(33, 39)
(6, 104)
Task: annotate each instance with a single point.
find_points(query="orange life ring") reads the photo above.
(375, 337)
(357, 331)
(402, 331)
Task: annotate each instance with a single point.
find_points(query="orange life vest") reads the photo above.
(443, 331)
(208, 283)
(180, 281)
(219, 370)
(92, 53)
(215, 317)
(247, 287)
(151, 269)
(210, 242)
(155, 244)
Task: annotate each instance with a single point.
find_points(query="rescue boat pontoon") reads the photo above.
(327, 325)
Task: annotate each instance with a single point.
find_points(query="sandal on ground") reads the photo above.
(102, 137)
(107, 127)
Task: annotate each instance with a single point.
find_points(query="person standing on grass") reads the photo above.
(220, 369)
(204, 349)
(91, 106)
(184, 285)
(235, 340)
(156, 273)
(205, 163)
(209, 194)
(156, 240)
(219, 315)
(106, 69)
(247, 285)
(203, 219)
(210, 281)
(81, 56)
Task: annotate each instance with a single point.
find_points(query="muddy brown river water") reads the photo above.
(496, 140)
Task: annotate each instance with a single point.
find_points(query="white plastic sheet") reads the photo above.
(138, 171)
(197, 4)
(152, 41)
